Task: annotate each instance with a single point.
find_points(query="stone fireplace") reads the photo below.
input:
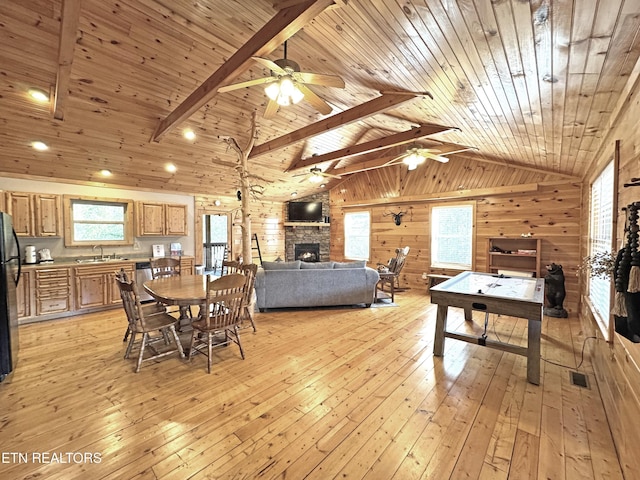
(307, 252)
(298, 234)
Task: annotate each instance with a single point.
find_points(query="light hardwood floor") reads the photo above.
(325, 393)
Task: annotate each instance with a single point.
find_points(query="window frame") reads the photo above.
(472, 238)
(346, 243)
(70, 200)
(602, 319)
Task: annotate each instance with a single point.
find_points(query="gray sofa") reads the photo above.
(320, 284)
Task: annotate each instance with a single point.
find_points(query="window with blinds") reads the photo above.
(600, 239)
(452, 234)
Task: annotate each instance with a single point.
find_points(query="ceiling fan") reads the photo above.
(315, 175)
(415, 155)
(287, 85)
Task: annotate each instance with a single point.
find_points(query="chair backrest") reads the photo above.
(249, 270)
(230, 266)
(396, 264)
(131, 302)
(224, 300)
(164, 267)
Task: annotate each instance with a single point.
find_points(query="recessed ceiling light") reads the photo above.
(105, 173)
(217, 203)
(38, 94)
(294, 194)
(189, 134)
(170, 167)
(40, 146)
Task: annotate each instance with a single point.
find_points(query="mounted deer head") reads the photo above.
(397, 217)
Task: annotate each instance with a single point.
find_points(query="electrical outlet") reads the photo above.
(136, 245)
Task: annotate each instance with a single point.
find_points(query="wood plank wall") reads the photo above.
(548, 209)
(617, 363)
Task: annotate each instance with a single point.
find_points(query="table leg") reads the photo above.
(184, 322)
(533, 351)
(441, 326)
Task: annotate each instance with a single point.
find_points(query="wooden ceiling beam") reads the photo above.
(70, 18)
(367, 109)
(276, 31)
(371, 146)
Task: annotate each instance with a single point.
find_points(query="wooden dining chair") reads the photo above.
(222, 313)
(149, 308)
(249, 271)
(164, 267)
(148, 322)
(230, 266)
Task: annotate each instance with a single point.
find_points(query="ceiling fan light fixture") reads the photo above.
(413, 160)
(315, 178)
(284, 92)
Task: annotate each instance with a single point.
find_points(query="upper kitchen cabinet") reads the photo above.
(35, 215)
(161, 219)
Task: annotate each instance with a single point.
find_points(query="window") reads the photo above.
(452, 236)
(357, 226)
(92, 221)
(600, 240)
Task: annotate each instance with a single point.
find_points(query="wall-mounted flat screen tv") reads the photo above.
(305, 212)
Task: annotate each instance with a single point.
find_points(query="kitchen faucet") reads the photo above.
(101, 251)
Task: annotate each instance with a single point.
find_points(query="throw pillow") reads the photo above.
(358, 264)
(282, 265)
(316, 265)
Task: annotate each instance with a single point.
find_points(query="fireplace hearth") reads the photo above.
(307, 252)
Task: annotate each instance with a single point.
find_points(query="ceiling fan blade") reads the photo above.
(437, 158)
(427, 151)
(315, 101)
(319, 79)
(271, 65)
(248, 83)
(330, 175)
(271, 109)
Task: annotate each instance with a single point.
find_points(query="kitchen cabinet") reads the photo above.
(186, 265)
(96, 285)
(35, 215)
(53, 290)
(514, 254)
(161, 219)
(23, 294)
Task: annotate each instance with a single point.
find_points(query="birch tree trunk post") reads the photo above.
(245, 188)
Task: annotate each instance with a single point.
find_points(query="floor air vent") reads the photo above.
(579, 379)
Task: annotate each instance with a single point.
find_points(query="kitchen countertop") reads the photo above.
(66, 262)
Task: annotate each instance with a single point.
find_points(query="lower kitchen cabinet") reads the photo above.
(53, 290)
(186, 265)
(96, 285)
(23, 294)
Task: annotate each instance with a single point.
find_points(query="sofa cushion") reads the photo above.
(358, 264)
(316, 265)
(282, 265)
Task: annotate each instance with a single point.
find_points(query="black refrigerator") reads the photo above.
(9, 277)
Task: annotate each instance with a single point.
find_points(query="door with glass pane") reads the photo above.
(215, 237)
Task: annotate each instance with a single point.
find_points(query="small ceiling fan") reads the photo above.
(315, 175)
(287, 85)
(415, 155)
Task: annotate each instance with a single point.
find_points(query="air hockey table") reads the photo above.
(514, 296)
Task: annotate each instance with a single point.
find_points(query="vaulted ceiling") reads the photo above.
(530, 83)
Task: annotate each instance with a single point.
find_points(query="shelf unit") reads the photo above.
(510, 259)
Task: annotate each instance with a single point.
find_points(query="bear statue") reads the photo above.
(555, 292)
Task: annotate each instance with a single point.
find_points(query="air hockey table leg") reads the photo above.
(441, 326)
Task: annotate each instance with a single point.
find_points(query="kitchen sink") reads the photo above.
(100, 260)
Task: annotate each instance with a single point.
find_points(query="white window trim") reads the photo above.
(454, 266)
(345, 235)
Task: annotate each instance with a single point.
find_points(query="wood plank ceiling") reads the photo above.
(531, 83)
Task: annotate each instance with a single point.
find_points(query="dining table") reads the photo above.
(181, 290)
